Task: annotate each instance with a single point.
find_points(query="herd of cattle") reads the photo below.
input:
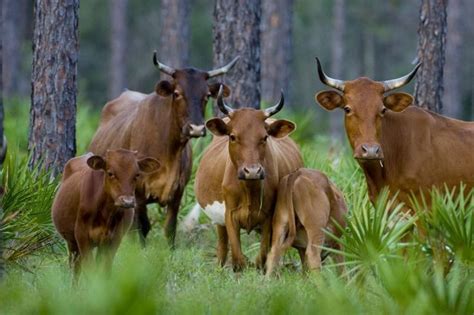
(252, 175)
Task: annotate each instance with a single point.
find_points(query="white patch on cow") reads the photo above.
(216, 212)
(191, 220)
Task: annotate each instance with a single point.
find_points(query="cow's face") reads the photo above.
(365, 105)
(248, 133)
(190, 92)
(122, 171)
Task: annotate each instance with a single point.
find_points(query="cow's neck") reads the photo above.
(374, 172)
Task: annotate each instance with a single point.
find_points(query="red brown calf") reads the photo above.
(307, 204)
(94, 206)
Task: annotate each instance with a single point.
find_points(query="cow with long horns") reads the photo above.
(237, 179)
(406, 148)
(160, 125)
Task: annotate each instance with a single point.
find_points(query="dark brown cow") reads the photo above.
(94, 205)
(160, 125)
(403, 147)
(307, 204)
(241, 169)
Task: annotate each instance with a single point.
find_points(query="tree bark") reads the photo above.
(276, 41)
(14, 12)
(452, 99)
(52, 139)
(431, 52)
(174, 39)
(118, 47)
(236, 31)
(337, 61)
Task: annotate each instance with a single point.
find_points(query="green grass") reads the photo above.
(389, 269)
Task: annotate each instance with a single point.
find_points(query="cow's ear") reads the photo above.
(329, 99)
(218, 127)
(214, 89)
(96, 162)
(148, 165)
(398, 101)
(280, 128)
(164, 88)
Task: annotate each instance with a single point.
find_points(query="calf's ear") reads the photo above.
(148, 165)
(280, 128)
(214, 89)
(218, 127)
(164, 88)
(96, 162)
(329, 99)
(398, 101)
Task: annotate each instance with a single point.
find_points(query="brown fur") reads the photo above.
(94, 204)
(421, 149)
(307, 204)
(256, 141)
(158, 125)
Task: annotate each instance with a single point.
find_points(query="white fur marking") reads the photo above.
(191, 220)
(216, 212)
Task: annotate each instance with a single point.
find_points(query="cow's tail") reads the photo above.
(288, 199)
(191, 220)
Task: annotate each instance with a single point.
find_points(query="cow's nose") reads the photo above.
(125, 202)
(197, 130)
(252, 172)
(369, 152)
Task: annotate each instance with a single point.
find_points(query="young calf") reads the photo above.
(94, 206)
(307, 203)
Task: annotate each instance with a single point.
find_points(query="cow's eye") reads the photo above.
(137, 176)
(347, 109)
(110, 174)
(232, 138)
(383, 111)
(264, 139)
(176, 94)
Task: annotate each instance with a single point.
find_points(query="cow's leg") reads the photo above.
(265, 243)
(302, 254)
(73, 251)
(222, 245)
(313, 250)
(233, 232)
(279, 233)
(85, 248)
(142, 220)
(172, 218)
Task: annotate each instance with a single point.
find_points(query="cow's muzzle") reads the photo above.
(251, 172)
(368, 152)
(196, 131)
(125, 202)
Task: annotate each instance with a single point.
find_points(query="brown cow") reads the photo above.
(94, 205)
(307, 204)
(405, 148)
(241, 168)
(160, 125)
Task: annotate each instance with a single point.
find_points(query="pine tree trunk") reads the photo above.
(174, 39)
(452, 102)
(276, 41)
(236, 31)
(431, 50)
(13, 29)
(52, 138)
(118, 47)
(337, 61)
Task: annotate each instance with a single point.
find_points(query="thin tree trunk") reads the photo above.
(236, 31)
(174, 39)
(431, 52)
(52, 139)
(118, 47)
(452, 99)
(337, 61)
(1, 133)
(276, 41)
(14, 12)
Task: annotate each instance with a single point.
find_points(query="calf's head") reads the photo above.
(122, 170)
(248, 133)
(365, 104)
(190, 92)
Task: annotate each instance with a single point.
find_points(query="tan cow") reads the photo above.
(94, 205)
(405, 148)
(307, 204)
(237, 179)
(160, 125)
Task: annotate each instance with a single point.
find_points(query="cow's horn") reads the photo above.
(275, 109)
(334, 83)
(221, 103)
(163, 68)
(398, 83)
(223, 69)
(3, 151)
